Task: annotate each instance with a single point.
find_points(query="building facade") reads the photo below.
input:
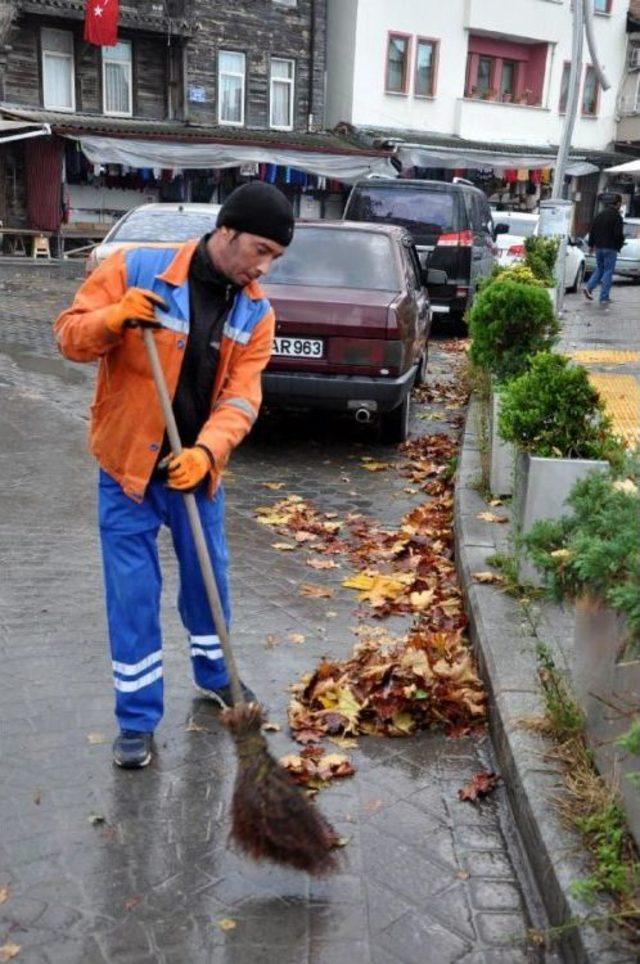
(194, 97)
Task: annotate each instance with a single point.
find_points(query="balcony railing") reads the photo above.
(174, 16)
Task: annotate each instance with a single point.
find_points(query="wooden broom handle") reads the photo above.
(195, 521)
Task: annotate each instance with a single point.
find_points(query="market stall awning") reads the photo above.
(204, 156)
(423, 155)
(631, 167)
(11, 130)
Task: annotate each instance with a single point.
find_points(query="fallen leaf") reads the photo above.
(330, 614)
(96, 819)
(297, 637)
(322, 564)
(480, 785)
(96, 738)
(271, 641)
(193, 727)
(488, 576)
(463, 875)
(303, 536)
(492, 517)
(315, 592)
(132, 903)
(37, 797)
(227, 924)
(495, 502)
(373, 466)
(561, 554)
(344, 742)
(271, 727)
(420, 600)
(9, 950)
(283, 546)
(5, 893)
(275, 486)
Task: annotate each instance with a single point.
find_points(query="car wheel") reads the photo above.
(579, 279)
(395, 424)
(422, 374)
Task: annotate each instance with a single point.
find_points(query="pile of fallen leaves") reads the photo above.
(304, 525)
(427, 679)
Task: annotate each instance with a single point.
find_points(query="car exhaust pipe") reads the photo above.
(363, 415)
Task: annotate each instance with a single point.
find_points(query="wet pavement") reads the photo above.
(101, 865)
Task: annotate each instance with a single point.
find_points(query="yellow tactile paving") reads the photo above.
(604, 356)
(621, 396)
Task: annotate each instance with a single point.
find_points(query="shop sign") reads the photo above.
(197, 95)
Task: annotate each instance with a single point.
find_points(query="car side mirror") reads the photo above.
(500, 228)
(434, 276)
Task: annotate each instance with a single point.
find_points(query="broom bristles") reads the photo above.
(271, 817)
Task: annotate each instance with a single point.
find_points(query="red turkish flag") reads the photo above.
(101, 22)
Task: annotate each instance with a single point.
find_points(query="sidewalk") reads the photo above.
(108, 867)
(506, 636)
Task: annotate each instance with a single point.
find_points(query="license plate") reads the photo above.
(298, 347)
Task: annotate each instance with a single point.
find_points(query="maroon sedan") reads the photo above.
(353, 320)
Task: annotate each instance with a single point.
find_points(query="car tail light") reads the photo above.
(375, 353)
(462, 292)
(517, 250)
(456, 239)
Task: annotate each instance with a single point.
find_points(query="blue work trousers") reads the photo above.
(133, 583)
(603, 275)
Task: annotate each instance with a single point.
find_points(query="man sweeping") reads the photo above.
(214, 331)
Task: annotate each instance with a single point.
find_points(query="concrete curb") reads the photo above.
(505, 644)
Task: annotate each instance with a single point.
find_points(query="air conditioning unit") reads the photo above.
(634, 58)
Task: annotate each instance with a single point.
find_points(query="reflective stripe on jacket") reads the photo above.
(127, 427)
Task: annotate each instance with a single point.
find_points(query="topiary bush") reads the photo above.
(508, 323)
(596, 549)
(519, 272)
(553, 410)
(540, 258)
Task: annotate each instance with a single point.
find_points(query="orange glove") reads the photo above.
(137, 304)
(189, 468)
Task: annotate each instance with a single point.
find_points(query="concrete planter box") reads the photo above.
(541, 488)
(503, 454)
(606, 684)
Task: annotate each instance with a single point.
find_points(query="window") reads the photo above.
(287, 3)
(282, 91)
(231, 79)
(424, 84)
(116, 79)
(602, 6)
(58, 75)
(397, 64)
(508, 80)
(564, 87)
(590, 93)
(485, 71)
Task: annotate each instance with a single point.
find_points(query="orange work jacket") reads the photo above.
(127, 428)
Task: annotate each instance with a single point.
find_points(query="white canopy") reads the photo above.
(424, 155)
(192, 155)
(629, 167)
(11, 130)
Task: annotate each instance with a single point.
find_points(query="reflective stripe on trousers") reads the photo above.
(133, 582)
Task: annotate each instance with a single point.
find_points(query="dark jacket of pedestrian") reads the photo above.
(606, 230)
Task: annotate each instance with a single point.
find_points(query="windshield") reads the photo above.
(334, 258)
(165, 225)
(518, 227)
(420, 211)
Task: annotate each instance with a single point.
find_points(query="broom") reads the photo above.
(271, 816)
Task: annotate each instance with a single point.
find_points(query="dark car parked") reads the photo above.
(353, 320)
(451, 225)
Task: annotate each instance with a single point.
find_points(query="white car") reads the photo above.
(156, 225)
(628, 263)
(511, 245)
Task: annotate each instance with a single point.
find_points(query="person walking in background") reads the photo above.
(607, 237)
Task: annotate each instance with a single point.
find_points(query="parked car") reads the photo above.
(628, 263)
(451, 225)
(353, 320)
(511, 246)
(156, 225)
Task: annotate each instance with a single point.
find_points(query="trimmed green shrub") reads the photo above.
(540, 257)
(509, 322)
(596, 550)
(519, 272)
(553, 410)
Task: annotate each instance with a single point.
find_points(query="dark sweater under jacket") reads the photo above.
(211, 296)
(606, 230)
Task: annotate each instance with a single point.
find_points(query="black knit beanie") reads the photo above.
(261, 209)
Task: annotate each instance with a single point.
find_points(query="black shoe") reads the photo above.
(132, 749)
(222, 695)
